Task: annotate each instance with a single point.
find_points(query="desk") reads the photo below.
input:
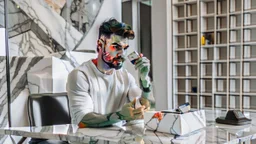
(212, 134)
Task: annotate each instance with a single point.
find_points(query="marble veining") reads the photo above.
(81, 13)
(28, 44)
(1, 13)
(57, 28)
(18, 21)
(135, 133)
(175, 123)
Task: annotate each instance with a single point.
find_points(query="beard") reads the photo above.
(117, 62)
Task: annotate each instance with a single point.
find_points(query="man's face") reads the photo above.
(114, 51)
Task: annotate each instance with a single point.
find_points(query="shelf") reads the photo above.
(235, 44)
(235, 53)
(179, 42)
(211, 15)
(249, 11)
(207, 23)
(221, 45)
(186, 49)
(221, 53)
(235, 13)
(180, 71)
(206, 61)
(207, 54)
(181, 83)
(220, 93)
(249, 19)
(222, 23)
(206, 86)
(249, 5)
(220, 77)
(249, 68)
(221, 37)
(250, 35)
(222, 7)
(221, 69)
(234, 60)
(249, 60)
(221, 15)
(220, 61)
(249, 77)
(234, 69)
(234, 101)
(191, 86)
(221, 29)
(234, 86)
(214, 45)
(186, 77)
(179, 12)
(206, 77)
(191, 71)
(249, 86)
(181, 58)
(179, 27)
(191, 9)
(235, 6)
(208, 31)
(207, 7)
(182, 2)
(206, 94)
(220, 100)
(249, 26)
(235, 36)
(234, 77)
(235, 21)
(192, 41)
(207, 46)
(184, 64)
(191, 33)
(192, 49)
(206, 70)
(235, 28)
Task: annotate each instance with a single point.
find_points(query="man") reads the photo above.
(101, 92)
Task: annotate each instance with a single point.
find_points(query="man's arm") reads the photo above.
(136, 92)
(81, 104)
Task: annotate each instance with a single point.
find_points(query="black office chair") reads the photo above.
(48, 109)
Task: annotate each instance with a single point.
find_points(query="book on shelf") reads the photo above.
(247, 51)
(247, 19)
(247, 35)
(246, 69)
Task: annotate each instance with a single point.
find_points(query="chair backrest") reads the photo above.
(48, 109)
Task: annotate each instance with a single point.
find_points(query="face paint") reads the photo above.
(115, 50)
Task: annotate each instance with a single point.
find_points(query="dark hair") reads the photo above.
(112, 26)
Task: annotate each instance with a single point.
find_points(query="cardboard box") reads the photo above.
(178, 124)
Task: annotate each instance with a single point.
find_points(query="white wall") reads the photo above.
(109, 8)
(162, 53)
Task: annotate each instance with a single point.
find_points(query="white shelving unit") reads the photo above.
(214, 50)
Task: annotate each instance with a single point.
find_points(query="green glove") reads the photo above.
(143, 65)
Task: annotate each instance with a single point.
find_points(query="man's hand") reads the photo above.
(143, 65)
(145, 102)
(128, 112)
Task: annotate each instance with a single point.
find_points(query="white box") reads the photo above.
(178, 124)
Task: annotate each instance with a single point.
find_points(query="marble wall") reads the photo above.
(1, 13)
(43, 39)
